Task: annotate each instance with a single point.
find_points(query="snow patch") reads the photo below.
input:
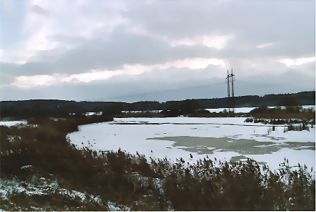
(13, 123)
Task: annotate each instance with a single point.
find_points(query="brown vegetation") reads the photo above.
(143, 184)
(290, 112)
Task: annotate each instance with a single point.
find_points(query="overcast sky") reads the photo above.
(154, 49)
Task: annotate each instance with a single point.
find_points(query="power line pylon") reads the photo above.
(228, 84)
(232, 76)
(230, 89)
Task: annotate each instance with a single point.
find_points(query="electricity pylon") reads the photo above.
(230, 84)
(232, 76)
(230, 79)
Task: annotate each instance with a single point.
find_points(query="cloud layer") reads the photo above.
(155, 50)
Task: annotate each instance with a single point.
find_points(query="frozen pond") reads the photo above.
(196, 138)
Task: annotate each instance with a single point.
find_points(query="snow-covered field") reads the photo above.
(248, 109)
(196, 138)
(10, 188)
(309, 107)
(140, 111)
(236, 110)
(12, 123)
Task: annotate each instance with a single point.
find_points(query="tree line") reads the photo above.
(62, 108)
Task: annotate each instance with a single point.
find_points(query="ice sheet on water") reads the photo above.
(132, 135)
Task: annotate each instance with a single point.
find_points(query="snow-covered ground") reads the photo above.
(12, 123)
(140, 111)
(303, 107)
(248, 109)
(9, 188)
(309, 107)
(181, 136)
(236, 110)
(94, 113)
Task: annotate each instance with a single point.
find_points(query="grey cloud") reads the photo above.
(39, 10)
(291, 24)
(120, 48)
(157, 85)
(288, 24)
(252, 23)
